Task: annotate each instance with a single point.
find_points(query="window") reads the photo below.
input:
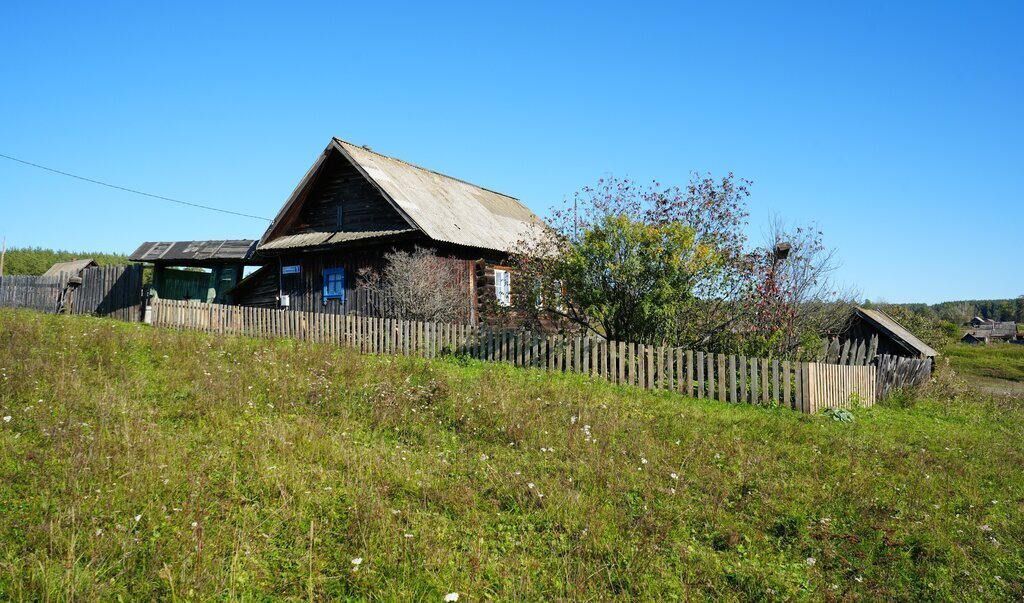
(503, 286)
(341, 216)
(334, 284)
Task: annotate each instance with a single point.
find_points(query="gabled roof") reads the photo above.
(888, 325)
(70, 267)
(445, 209)
(193, 251)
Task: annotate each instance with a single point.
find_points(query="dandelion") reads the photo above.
(356, 563)
(408, 535)
(674, 475)
(451, 597)
(99, 531)
(643, 461)
(7, 419)
(138, 518)
(986, 528)
(811, 561)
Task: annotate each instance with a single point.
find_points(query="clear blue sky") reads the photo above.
(895, 126)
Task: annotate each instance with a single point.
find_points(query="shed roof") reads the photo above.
(193, 251)
(887, 324)
(316, 239)
(70, 267)
(442, 207)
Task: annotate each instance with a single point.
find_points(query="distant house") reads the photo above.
(989, 331)
(195, 270)
(882, 334)
(71, 268)
(354, 205)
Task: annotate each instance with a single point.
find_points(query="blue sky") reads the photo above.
(896, 127)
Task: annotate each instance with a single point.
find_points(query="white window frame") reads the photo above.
(503, 286)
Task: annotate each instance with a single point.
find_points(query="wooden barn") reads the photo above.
(195, 270)
(354, 205)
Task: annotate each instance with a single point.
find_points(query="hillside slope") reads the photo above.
(150, 464)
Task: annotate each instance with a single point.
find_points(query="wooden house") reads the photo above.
(989, 330)
(354, 205)
(195, 270)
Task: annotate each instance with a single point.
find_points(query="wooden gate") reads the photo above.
(110, 291)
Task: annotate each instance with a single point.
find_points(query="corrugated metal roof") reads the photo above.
(317, 239)
(897, 331)
(193, 251)
(70, 267)
(445, 208)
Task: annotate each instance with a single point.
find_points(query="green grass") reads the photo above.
(994, 361)
(145, 464)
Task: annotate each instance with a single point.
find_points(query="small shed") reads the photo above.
(973, 339)
(72, 267)
(195, 270)
(893, 338)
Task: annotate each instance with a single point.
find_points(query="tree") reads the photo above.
(794, 299)
(642, 263)
(417, 285)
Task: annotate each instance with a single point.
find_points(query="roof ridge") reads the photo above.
(420, 167)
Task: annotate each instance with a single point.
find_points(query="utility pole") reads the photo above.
(3, 252)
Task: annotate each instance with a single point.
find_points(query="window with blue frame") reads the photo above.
(334, 284)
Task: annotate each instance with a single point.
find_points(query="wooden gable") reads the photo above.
(339, 198)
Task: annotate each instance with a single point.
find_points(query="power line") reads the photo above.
(130, 190)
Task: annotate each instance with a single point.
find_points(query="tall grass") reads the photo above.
(145, 464)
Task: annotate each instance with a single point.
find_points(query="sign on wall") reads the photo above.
(291, 269)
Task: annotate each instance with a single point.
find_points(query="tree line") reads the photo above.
(33, 261)
(961, 312)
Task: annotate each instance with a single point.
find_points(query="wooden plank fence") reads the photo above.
(42, 293)
(114, 291)
(803, 386)
(895, 373)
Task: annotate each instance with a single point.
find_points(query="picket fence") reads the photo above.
(802, 386)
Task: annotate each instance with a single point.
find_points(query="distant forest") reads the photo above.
(961, 312)
(36, 260)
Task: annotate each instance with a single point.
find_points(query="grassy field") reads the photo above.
(996, 361)
(145, 464)
(996, 368)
